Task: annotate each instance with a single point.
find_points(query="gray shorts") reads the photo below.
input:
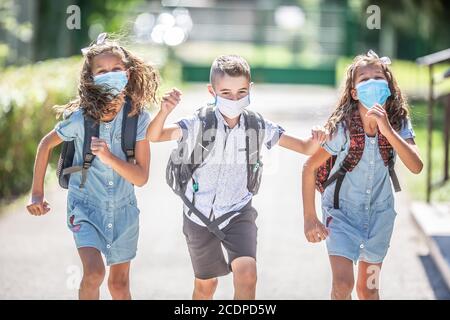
(205, 248)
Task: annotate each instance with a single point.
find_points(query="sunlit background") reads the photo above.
(295, 44)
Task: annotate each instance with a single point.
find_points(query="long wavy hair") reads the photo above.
(396, 105)
(95, 101)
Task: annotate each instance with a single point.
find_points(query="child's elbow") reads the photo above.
(142, 181)
(150, 137)
(307, 166)
(45, 144)
(417, 169)
(153, 138)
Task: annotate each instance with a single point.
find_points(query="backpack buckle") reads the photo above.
(195, 186)
(88, 160)
(88, 157)
(130, 155)
(256, 166)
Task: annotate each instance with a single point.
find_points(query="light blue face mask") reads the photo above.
(373, 92)
(114, 81)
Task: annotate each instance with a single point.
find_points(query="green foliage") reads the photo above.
(27, 96)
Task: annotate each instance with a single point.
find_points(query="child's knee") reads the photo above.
(342, 287)
(245, 273)
(118, 284)
(94, 276)
(366, 293)
(206, 287)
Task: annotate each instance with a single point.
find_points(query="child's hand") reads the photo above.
(381, 117)
(170, 100)
(319, 134)
(315, 231)
(38, 206)
(100, 149)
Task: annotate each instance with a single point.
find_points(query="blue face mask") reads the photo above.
(114, 81)
(373, 91)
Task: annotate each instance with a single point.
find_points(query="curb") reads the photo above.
(433, 221)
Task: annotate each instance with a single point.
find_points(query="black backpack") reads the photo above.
(182, 165)
(91, 129)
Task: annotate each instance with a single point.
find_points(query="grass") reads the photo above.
(416, 184)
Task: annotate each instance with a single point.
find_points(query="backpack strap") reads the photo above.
(357, 142)
(205, 138)
(91, 129)
(351, 160)
(212, 226)
(255, 129)
(393, 175)
(387, 154)
(129, 131)
(204, 143)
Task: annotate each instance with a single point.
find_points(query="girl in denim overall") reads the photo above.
(103, 214)
(358, 220)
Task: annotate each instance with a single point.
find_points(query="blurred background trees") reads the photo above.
(33, 30)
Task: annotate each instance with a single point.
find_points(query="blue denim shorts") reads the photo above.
(360, 233)
(112, 227)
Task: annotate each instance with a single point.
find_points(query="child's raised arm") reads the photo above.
(156, 131)
(38, 206)
(306, 146)
(315, 231)
(407, 149)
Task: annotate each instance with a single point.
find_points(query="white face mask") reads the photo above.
(232, 108)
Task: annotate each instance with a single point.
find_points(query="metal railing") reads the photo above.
(430, 61)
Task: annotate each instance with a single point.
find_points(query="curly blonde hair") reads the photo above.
(396, 105)
(142, 84)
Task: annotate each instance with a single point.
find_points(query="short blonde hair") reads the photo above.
(232, 65)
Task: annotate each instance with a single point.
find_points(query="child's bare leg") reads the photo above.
(119, 281)
(244, 278)
(93, 273)
(367, 286)
(204, 289)
(343, 278)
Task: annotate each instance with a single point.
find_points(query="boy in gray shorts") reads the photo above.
(216, 170)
